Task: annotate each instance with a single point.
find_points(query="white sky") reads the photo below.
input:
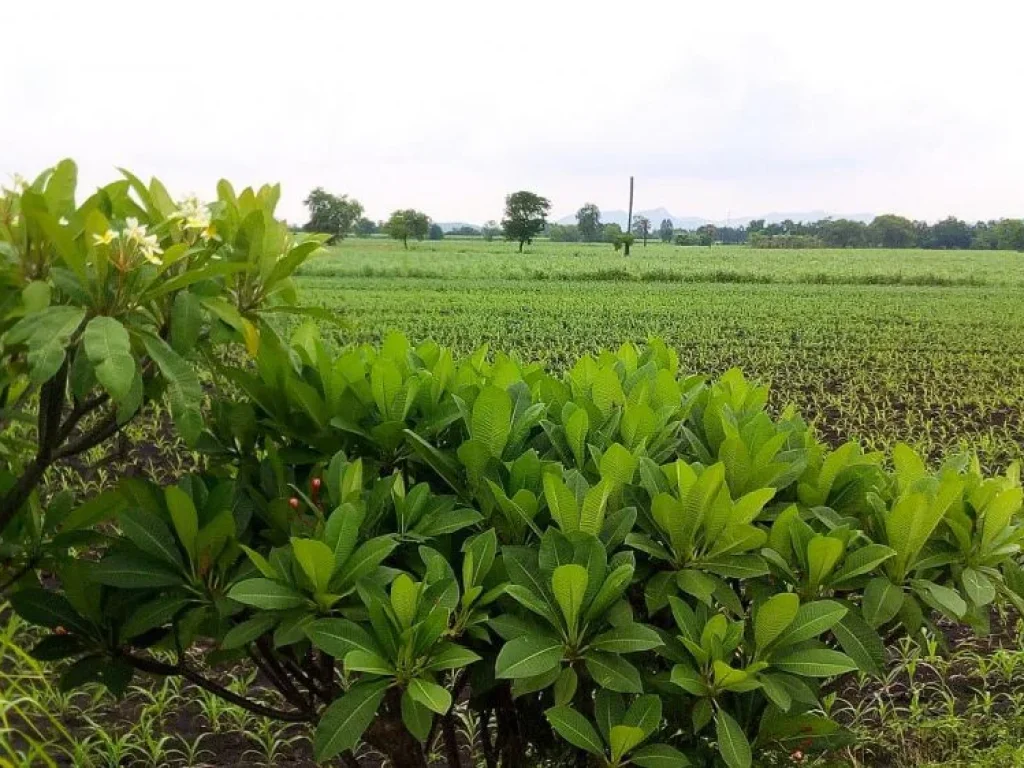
(715, 107)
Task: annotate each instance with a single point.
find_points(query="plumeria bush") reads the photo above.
(617, 566)
(106, 305)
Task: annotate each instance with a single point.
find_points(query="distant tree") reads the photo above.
(525, 214)
(564, 233)
(706, 234)
(466, 231)
(623, 239)
(666, 230)
(330, 214)
(365, 227)
(755, 225)
(842, 233)
(490, 230)
(642, 228)
(1009, 235)
(730, 235)
(611, 232)
(435, 232)
(407, 223)
(951, 232)
(891, 231)
(588, 223)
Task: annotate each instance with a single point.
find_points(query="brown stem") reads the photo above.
(282, 684)
(485, 738)
(154, 667)
(451, 741)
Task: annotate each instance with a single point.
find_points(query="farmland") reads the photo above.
(913, 345)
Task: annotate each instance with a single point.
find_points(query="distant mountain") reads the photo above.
(657, 215)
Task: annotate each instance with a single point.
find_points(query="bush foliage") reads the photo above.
(616, 565)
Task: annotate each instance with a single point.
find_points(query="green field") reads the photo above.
(923, 346)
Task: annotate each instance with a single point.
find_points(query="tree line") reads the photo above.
(526, 218)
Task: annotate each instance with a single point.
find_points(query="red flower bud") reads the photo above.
(293, 503)
(315, 484)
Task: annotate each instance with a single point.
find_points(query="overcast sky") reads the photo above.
(717, 108)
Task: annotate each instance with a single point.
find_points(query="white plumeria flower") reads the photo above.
(14, 221)
(106, 238)
(198, 220)
(133, 230)
(63, 222)
(150, 248)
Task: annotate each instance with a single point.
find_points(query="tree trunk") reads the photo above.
(388, 734)
(521, 245)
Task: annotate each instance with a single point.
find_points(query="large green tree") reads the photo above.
(891, 231)
(588, 223)
(525, 215)
(1009, 235)
(331, 214)
(407, 223)
(666, 230)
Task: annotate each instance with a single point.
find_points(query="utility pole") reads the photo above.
(629, 216)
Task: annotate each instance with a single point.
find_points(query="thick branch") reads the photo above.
(104, 429)
(154, 667)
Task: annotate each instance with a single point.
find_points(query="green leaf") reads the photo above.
(574, 728)
(659, 756)
(613, 672)
(645, 714)
(186, 323)
(416, 717)
(978, 587)
(492, 419)
(882, 601)
(861, 643)
(249, 630)
(46, 609)
(618, 465)
(862, 561)
(430, 695)
(823, 552)
(623, 738)
(149, 533)
(569, 584)
(370, 663)
(338, 637)
(316, 560)
(565, 686)
(365, 559)
(109, 349)
(561, 503)
(528, 656)
(811, 620)
(451, 656)
(184, 517)
(774, 616)
(134, 572)
(732, 742)
(343, 723)
(46, 334)
(183, 390)
(815, 662)
(405, 596)
(941, 598)
(631, 638)
(266, 594)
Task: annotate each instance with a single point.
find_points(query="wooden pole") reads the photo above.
(629, 216)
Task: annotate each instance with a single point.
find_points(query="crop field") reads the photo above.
(913, 345)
